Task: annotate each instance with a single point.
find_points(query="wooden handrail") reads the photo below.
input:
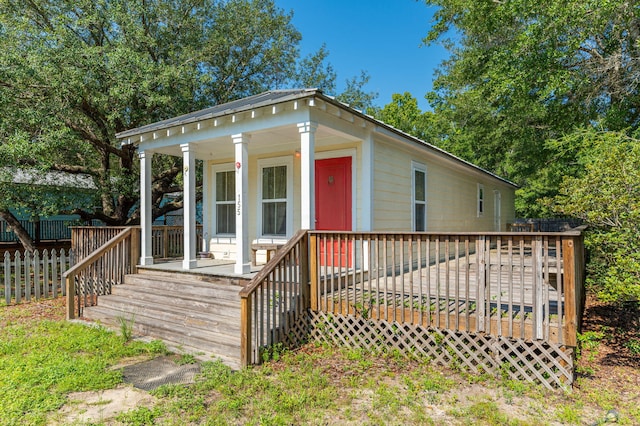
(575, 232)
(70, 274)
(270, 266)
(247, 292)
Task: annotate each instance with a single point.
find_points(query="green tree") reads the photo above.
(404, 114)
(524, 72)
(73, 73)
(354, 94)
(314, 71)
(606, 195)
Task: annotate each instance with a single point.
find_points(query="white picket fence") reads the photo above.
(34, 276)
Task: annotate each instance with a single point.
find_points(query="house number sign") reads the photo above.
(238, 204)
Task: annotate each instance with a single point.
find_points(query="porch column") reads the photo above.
(307, 174)
(206, 200)
(243, 261)
(146, 218)
(189, 202)
(366, 185)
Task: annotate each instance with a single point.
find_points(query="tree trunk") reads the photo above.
(16, 227)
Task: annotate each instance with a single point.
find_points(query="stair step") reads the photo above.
(215, 320)
(195, 340)
(186, 301)
(194, 277)
(194, 313)
(183, 287)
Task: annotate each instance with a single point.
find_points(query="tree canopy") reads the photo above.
(525, 72)
(546, 94)
(73, 73)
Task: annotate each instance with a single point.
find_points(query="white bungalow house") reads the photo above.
(298, 159)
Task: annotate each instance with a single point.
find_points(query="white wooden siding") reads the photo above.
(451, 193)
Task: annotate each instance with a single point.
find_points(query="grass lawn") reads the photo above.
(44, 358)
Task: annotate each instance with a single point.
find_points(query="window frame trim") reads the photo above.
(275, 162)
(215, 169)
(415, 166)
(480, 200)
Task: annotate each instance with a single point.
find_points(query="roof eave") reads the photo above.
(195, 117)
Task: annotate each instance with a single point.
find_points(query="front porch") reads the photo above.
(494, 302)
(202, 267)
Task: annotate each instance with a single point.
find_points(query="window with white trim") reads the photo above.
(480, 209)
(276, 203)
(419, 197)
(225, 194)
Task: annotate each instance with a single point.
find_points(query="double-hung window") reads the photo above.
(419, 178)
(225, 186)
(276, 196)
(480, 209)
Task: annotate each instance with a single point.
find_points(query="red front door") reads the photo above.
(333, 205)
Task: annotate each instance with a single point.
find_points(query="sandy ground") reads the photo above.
(101, 406)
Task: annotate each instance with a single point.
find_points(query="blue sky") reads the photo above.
(382, 37)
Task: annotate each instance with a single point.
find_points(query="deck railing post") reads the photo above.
(580, 271)
(570, 293)
(165, 240)
(538, 287)
(71, 295)
(313, 271)
(481, 282)
(304, 272)
(245, 331)
(134, 250)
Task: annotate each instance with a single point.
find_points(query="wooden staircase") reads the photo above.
(197, 314)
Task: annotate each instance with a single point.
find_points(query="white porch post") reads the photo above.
(307, 174)
(189, 197)
(366, 184)
(243, 262)
(206, 224)
(146, 218)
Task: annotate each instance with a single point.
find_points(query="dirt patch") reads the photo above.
(101, 406)
(608, 355)
(50, 309)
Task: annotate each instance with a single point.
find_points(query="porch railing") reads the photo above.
(103, 268)
(166, 241)
(520, 285)
(274, 304)
(87, 239)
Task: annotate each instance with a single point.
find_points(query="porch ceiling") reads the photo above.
(277, 139)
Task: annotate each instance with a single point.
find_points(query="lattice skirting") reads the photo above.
(533, 361)
(293, 332)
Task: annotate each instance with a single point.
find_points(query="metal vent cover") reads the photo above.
(159, 371)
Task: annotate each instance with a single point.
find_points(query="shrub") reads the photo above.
(606, 195)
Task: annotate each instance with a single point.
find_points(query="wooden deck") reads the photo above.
(485, 301)
(500, 303)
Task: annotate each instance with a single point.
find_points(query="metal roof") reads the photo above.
(264, 99)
